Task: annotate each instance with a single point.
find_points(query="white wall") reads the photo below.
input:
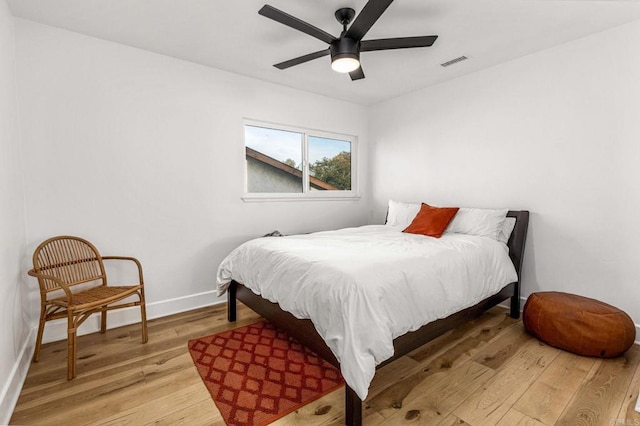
(14, 323)
(144, 155)
(556, 133)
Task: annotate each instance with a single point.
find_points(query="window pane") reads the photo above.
(329, 164)
(274, 160)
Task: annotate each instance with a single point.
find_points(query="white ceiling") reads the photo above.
(231, 36)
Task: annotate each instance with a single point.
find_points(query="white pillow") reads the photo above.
(401, 213)
(507, 229)
(481, 222)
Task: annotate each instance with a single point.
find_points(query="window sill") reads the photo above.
(260, 198)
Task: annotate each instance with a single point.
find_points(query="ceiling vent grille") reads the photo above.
(454, 61)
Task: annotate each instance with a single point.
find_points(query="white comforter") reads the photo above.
(363, 287)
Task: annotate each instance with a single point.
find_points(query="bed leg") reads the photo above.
(352, 407)
(231, 302)
(515, 306)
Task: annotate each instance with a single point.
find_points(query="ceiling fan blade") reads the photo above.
(293, 22)
(396, 43)
(302, 59)
(357, 74)
(367, 17)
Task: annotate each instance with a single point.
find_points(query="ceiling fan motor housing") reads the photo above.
(345, 48)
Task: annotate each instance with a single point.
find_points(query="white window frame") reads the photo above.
(306, 194)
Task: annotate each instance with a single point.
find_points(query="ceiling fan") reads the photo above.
(345, 50)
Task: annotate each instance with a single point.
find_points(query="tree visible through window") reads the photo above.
(287, 161)
(330, 161)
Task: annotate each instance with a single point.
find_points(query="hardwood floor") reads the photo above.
(489, 372)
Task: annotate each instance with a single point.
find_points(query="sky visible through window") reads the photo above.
(283, 145)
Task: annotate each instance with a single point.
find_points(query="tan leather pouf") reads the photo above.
(578, 324)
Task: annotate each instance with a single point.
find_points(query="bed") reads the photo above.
(308, 325)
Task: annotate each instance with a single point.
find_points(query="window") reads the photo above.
(292, 163)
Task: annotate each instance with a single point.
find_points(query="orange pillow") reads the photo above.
(431, 221)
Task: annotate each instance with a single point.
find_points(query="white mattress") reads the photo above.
(363, 287)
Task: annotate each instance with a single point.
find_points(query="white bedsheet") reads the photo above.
(363, 287)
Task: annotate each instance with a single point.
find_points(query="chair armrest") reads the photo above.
(133, 259)
(62, 284)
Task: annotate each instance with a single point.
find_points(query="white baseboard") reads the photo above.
(57, 330)
(13, 386)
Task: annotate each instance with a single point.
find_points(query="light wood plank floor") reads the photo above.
(489, 372)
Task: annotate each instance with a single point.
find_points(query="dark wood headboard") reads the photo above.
(518, 238)
(516, 245)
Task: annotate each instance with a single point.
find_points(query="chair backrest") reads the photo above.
(70, 259)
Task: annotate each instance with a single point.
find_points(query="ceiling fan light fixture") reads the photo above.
(345, 55)
(345, 64)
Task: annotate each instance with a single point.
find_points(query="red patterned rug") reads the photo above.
(257, 373)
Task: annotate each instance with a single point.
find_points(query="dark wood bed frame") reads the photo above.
(304, 331)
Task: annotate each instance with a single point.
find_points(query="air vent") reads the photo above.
(454, 61)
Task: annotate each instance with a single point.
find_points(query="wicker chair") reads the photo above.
(73, 285)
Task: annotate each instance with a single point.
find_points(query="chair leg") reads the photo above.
(103, 320)
(143, 315)
(71, 347)
(43, 320)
